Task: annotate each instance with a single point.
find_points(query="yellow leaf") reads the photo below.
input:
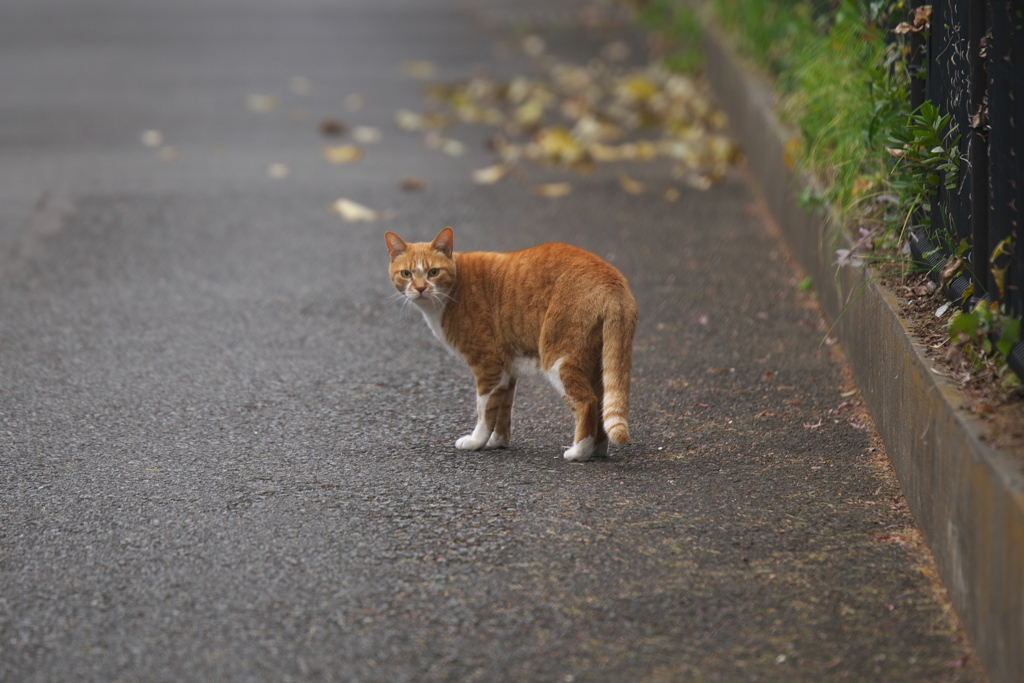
(353, 212)
(789, 152)
(558, 146)
(552, 190)
(342, 154)
(491, 174)
(638, 88)
(631, 186)
(601, 152)
(261, 103)
(409, 120)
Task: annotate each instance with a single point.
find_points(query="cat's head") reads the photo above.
(424, 272)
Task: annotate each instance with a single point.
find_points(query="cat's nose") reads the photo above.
(420, 288)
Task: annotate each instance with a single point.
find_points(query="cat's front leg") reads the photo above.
(481, 433)
(494, 417)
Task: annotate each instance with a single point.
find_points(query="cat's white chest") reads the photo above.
(433, 317)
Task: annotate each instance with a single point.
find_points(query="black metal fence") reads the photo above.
(973, 61)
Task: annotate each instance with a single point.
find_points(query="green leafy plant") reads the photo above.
(984, 336)
(926, 153)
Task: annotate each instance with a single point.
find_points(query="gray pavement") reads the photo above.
(227, 454)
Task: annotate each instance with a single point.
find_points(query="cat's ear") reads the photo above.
(396, 247)
(444, 242)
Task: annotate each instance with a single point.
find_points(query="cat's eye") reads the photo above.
(434, 272)
(406, 273)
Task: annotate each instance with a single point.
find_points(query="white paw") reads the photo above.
(496, 441)
(470, 442)
(582, 451)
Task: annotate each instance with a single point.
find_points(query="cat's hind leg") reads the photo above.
(502, 433)
(579, 395)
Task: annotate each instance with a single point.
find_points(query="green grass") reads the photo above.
(837, 85)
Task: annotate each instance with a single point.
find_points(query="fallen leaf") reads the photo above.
(299, 85)
(167, 153)
(889, 538)
(950, 270)
(552, 189)
(808, 425)
(671, 194)
(617, 51)
(631, 186)
(420, 69)
(453, 148)
(353, 212)
(366, 135)
(698, 404)
(332, 128)
(490, 174)
(790, 150)
(262, 103)
(409, 120)
(717, 370)
(355, 102)
(278, 171)
(984, 409)
(413, 184)
(342, 154)
(151, 138)
(533, 45)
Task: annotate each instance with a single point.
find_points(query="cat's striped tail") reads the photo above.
(617, 363)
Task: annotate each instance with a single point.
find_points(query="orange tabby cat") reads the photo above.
(552, 309)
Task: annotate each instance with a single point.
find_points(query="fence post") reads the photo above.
(977, 147)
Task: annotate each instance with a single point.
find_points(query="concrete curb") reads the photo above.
(967, 498)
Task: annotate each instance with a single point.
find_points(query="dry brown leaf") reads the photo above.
(413, 184)
(332, 128)
(552, 190)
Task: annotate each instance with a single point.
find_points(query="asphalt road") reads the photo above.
(228, 455)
